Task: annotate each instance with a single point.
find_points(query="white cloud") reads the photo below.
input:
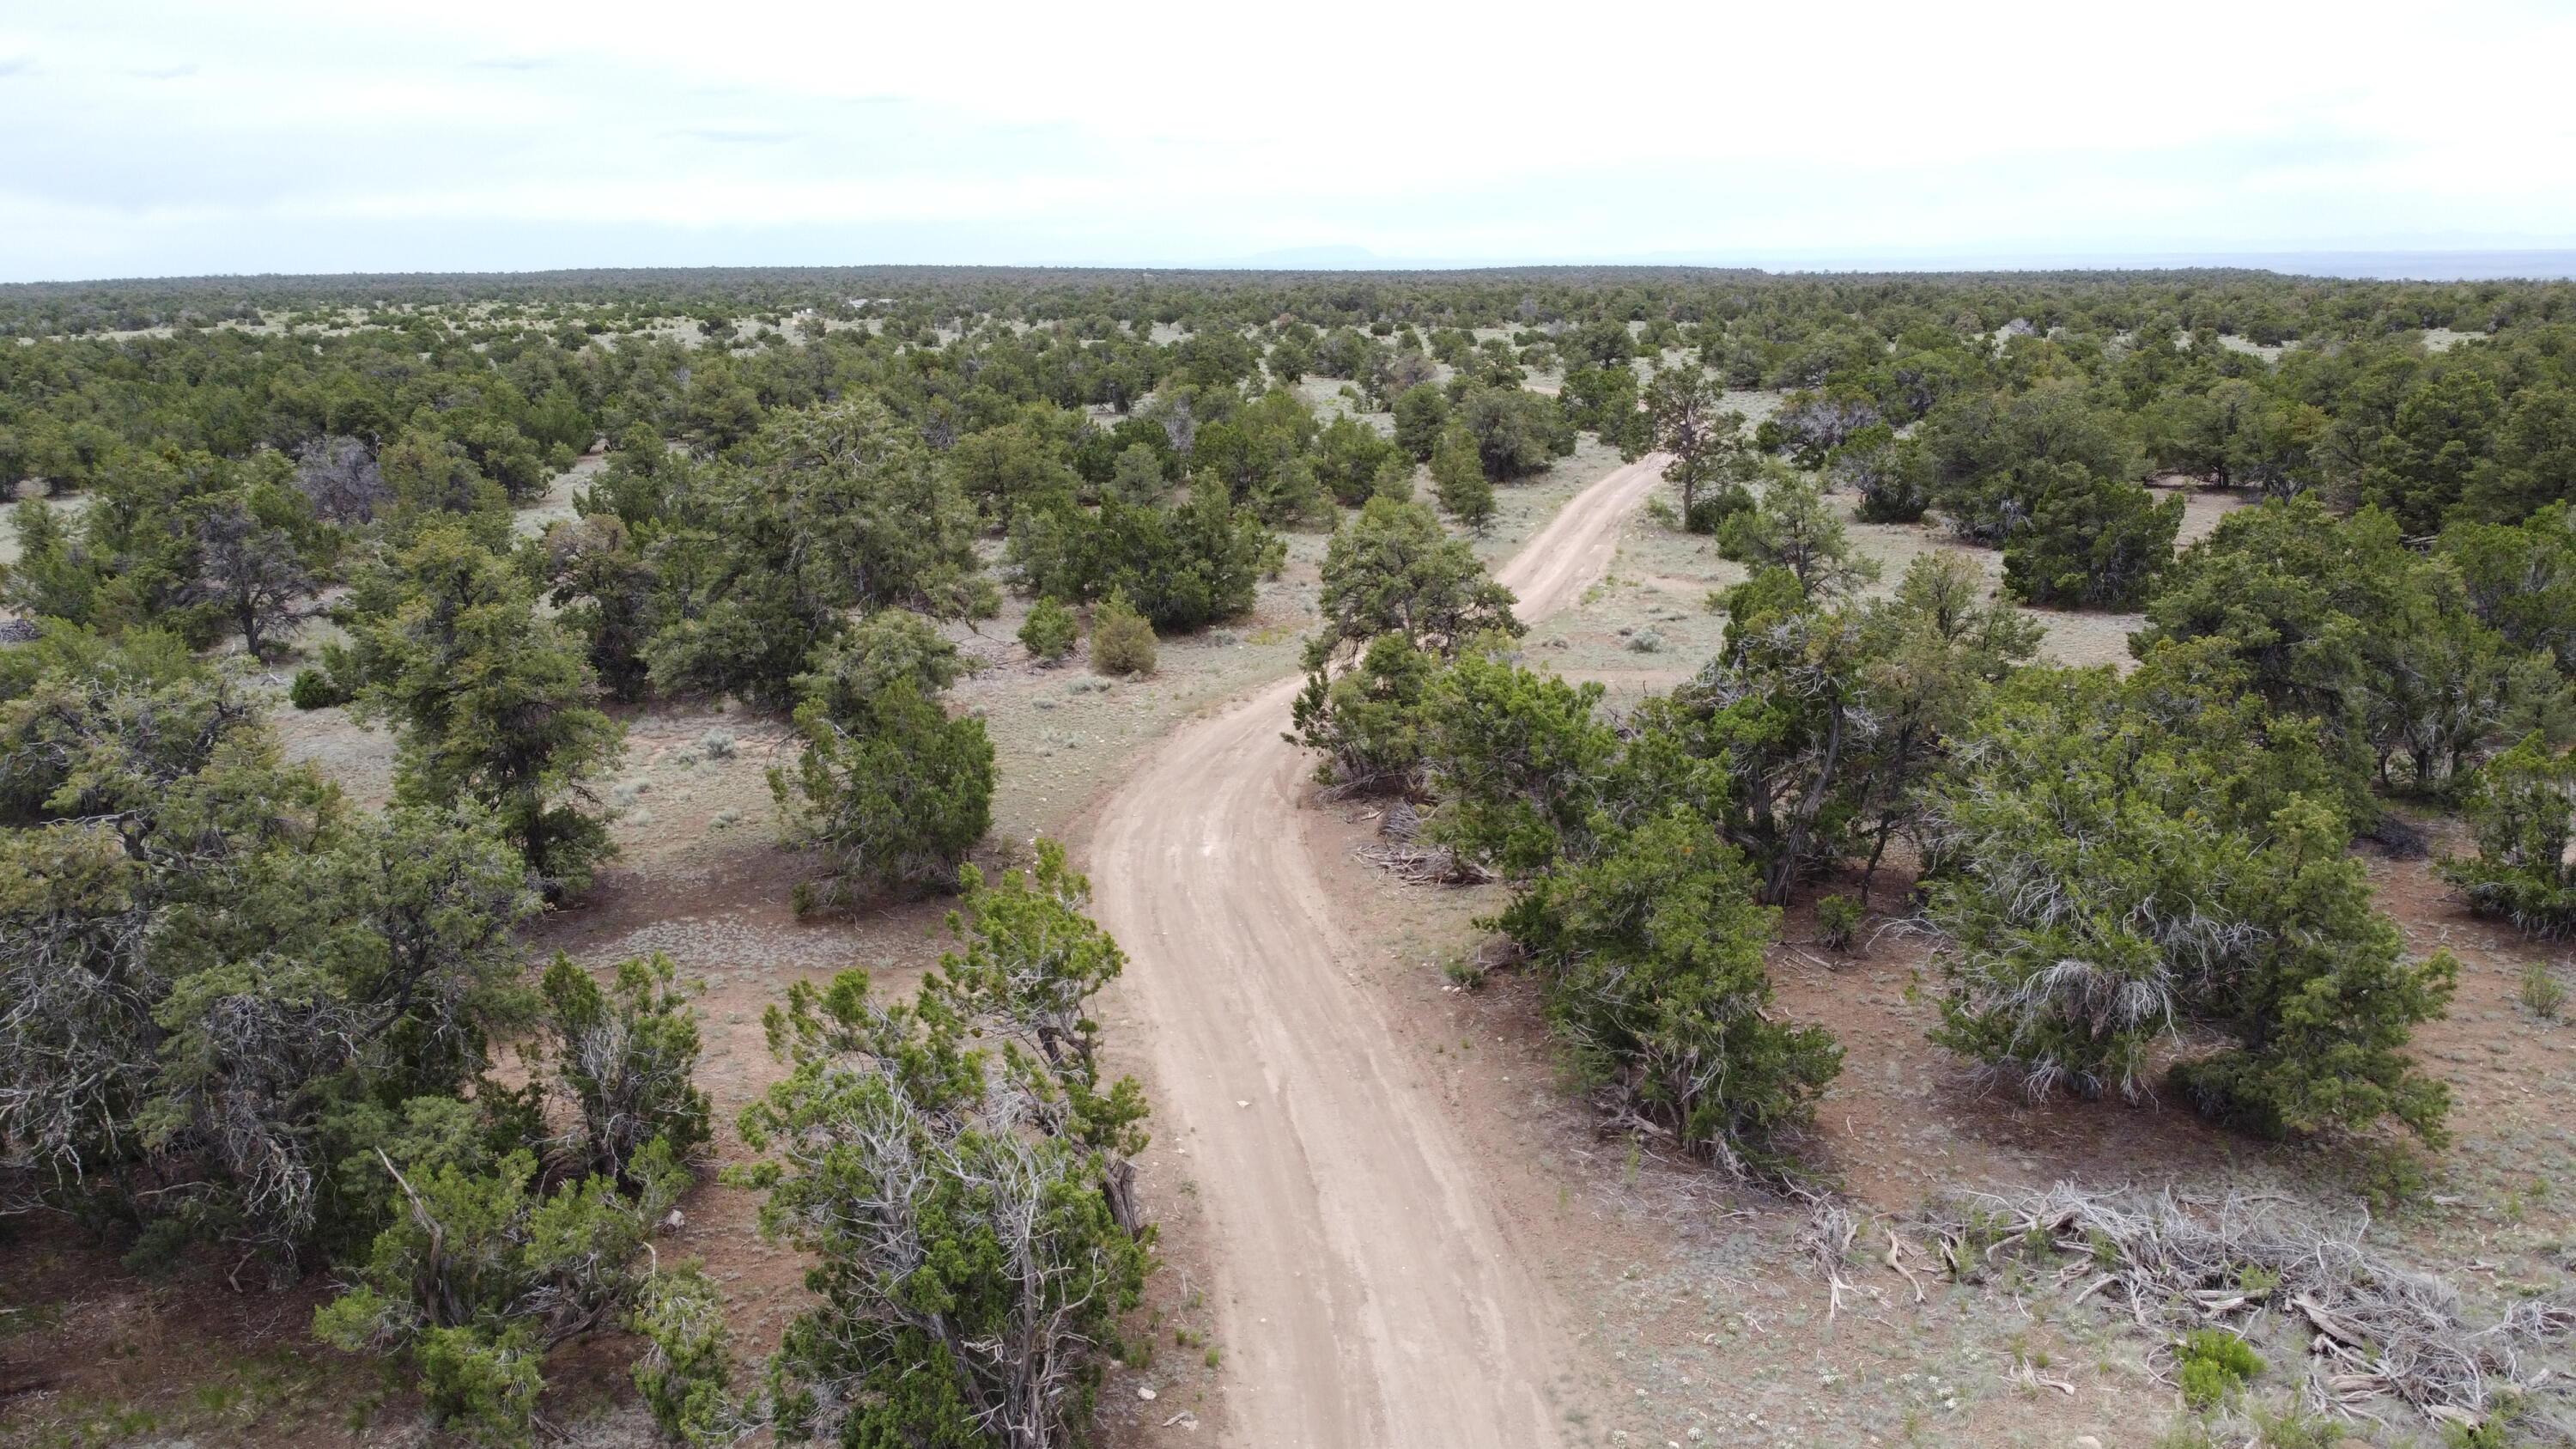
(483, 133)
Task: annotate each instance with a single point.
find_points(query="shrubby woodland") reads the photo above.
(245, 1021)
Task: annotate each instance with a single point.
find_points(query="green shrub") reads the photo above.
(1122, 640)
(314, 689)
(1458, 479)
(2541, 992)
(2292, 1428)
(481, 1272)
(1838, 920)
(961, 1173)
(686, 1375)
(1368, 722)
(2095, 913)
(627, 1058)
(1050, 632)
(2215, 1367)
(1709, 512)
(2522, 810)
(2091, 543)
(2495, 1431)
(894, 799)
(484, 1386)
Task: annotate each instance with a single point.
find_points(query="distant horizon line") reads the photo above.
(2423, 264)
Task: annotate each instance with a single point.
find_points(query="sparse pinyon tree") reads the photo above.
(1794, 527)
(217, 982)
(1932, 654)
(1406, 597)
(1690, 420)
(252, 572)
(340, 478)
(841, 508)
(627, 1058)
(500, 1244)
(1393, 569)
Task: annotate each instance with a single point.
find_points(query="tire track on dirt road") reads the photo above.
(1367, 1295)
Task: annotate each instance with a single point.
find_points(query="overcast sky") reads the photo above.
(279, 135)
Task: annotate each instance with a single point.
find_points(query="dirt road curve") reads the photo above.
(1367, 1296)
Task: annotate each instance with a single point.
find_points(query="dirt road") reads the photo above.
(1368, 1298)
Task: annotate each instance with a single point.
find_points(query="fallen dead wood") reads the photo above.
(1425, 864)
(2179, 1261)
(1827, 1240)
(1896, 1249)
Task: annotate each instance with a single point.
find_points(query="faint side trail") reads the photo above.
(1367, 1296)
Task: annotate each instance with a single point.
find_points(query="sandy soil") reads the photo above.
(1367, 1292)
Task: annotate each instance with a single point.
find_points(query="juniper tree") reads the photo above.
(954, 1166)
(1421, 415)
(1003, 470)
(217, 982)
(2521, 808)
(1636, 913)
(1651, 961)
(1889, 479)
(607, 589)
(2521, 579)
(2290, 590)
(492, 702)
(890, 789)
(1458, 479)
(2090, 542)
(1515, 432)
(1367, 721)
(2126, 863)
(1050, 631)
(1348, 455)
(840, 507)
(1197, 563)
(1992, 456)
(2336, 620)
